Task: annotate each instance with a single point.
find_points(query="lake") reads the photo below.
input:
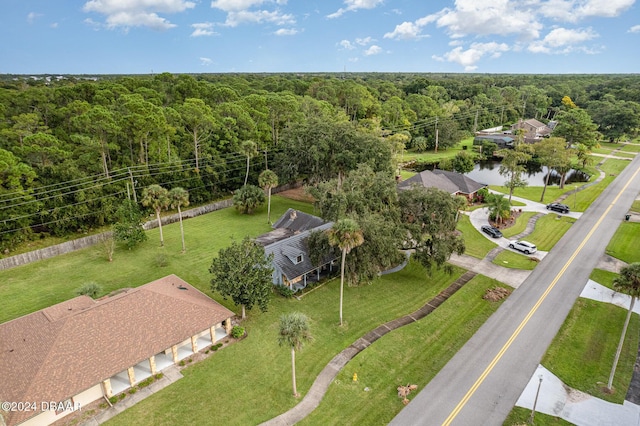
(487, 172)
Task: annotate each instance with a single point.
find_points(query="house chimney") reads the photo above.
(293, 215)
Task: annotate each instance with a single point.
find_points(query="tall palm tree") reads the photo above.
(250, 149)
(628, 282)
(499, 207)
(157, 198)
(179, 198)
(294, 332)
(268, 180)
(346, 235)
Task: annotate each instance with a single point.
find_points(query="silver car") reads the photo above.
(523, 246)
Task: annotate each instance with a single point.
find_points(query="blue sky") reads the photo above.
(193, 36)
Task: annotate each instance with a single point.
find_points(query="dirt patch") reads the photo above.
(509, 222)
(496, 294)
(297, 194)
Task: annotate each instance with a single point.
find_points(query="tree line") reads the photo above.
(72, 150)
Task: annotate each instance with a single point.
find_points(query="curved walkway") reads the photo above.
(312, 399)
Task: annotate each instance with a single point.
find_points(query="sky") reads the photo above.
(306, 36)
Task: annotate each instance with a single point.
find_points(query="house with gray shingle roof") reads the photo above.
(288, 242)
(451, 182)
(82, 350)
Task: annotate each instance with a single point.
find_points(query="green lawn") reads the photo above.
(584, 198)
(431, 156)
(549, 229)
(519, 226)
(635, 207)
(250, 382)
(521, 416)
(603, 277)
(533, 193)
(623, 244)
(476, 244)
(581, 355)
(410, 355)
(406, 174)
(41, 284)
(631, 148)
(509, 259)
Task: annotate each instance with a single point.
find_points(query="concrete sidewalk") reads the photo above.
(557, 399)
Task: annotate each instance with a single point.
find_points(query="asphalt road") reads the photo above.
(482, 382)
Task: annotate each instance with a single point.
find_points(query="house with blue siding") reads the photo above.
(288, 243)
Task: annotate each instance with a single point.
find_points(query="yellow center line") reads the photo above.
(533, 310)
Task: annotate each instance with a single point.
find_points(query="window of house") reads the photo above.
(298, 259)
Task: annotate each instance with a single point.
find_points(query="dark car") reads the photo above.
(557, 207)
(491, 231)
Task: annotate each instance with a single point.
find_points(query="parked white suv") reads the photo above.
(523, 246)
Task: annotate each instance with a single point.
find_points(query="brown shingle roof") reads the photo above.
(55, 353)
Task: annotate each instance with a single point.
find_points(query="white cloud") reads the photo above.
(202, 29)
(137, 13)
(364, 41)
(139, 19)
(468, 58)
(634, 29)
(563, 40)
(244, 12)
(601, 8)
(205, 61)
(257, 17)
(32, 16)
(54, 25)
(405, 31)
(93, 24)
(346, 44)
(499, 17)
(353, 5)
(286, 32)
(373, 50)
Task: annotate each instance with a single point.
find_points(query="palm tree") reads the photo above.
(179, 197)
(346, 235)
(499, 207)
(268, 180)
(294, 332)
(157, 198)
(628, 282)
(249, 149)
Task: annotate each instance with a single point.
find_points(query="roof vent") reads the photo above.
(181, 287)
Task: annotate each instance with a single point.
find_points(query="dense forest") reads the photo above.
(73, 148)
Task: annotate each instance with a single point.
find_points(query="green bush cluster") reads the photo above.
(237, 332)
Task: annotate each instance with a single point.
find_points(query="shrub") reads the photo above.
(146, 382)
(284, 291)
(113, 399)
(247, 198)
(237, 332)
(91, 289)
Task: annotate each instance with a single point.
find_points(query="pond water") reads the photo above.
(487, 172)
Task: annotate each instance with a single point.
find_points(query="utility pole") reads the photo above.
(133, 185)
(475, 122)
(436, 150)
